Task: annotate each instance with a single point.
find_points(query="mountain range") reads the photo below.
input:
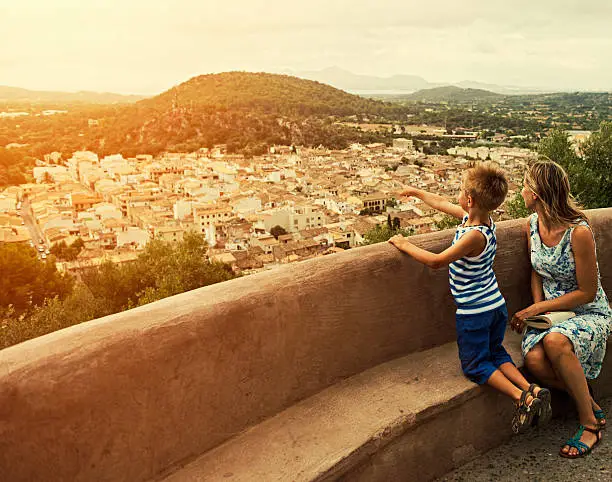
(363, 84)
(16, 94)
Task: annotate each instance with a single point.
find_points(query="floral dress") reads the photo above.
(590, 328)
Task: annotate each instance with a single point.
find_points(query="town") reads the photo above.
(256, 213)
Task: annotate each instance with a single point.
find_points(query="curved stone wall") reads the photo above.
(126, 396)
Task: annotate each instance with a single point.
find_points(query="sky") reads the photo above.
(148, 46)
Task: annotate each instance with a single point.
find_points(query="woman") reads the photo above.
(564, 277)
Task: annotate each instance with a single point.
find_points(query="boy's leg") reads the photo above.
(514, 375)
(500, 357)
(474, 341)
(502, 384)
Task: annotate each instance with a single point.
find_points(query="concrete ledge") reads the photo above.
(414, 415)
(125, 397)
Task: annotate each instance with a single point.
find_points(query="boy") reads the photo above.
(481, 316)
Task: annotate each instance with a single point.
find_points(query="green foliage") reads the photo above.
(180, 267)
(558, 147)
(27, 281)
(64, 252)
(277, 231)
(13, 163)
(163, 269)
(383, 232)
(515, 207)
(447, 222)
(590, 171)
(592, 177)
(451, 93)
(81, 305)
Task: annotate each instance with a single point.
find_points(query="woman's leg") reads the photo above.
(539, 365)
(559, 350)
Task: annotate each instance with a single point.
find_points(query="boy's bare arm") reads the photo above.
(435, 201)
(470, 244)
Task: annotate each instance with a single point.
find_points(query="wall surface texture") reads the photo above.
(126, 396)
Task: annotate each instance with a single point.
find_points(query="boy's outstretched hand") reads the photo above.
(409, 191)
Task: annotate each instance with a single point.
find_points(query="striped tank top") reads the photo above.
(472, 280)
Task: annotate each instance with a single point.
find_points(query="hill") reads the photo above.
(18, 95)
(453, 94)
(246, 111)
(262, 92)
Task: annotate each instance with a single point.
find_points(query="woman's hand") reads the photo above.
(518, 320)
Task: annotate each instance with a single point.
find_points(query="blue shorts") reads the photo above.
(480, 338)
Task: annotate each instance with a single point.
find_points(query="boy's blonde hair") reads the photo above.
(486, 183)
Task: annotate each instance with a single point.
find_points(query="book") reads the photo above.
(546, 320)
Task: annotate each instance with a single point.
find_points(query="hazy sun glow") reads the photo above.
(146, 46)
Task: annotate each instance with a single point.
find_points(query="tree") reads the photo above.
(27, 281)
(47, 178)
(592, 176)
(277, 231)
(558, 147)
(163, 269)
(382, 233)
(64, 252)
(515, 208)
(447, 222)
(590, 171)
(81, 305)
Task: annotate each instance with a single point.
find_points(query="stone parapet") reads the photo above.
(127, 396)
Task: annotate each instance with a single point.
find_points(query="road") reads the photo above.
(35, 231)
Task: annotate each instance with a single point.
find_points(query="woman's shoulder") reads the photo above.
(582, 240)
(531, 224)
(582, 232)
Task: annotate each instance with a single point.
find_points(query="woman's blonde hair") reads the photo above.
(549, 182)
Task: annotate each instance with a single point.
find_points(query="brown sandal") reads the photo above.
(545, 412)
(524, 413)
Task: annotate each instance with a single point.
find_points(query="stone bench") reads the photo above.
(413, 415)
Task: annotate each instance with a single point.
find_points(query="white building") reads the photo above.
(247, 205)
(132, 235)
(104, 211)
(57, 173)
(205, 216)
(7, 203)
(293, 219)
(182, 209)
